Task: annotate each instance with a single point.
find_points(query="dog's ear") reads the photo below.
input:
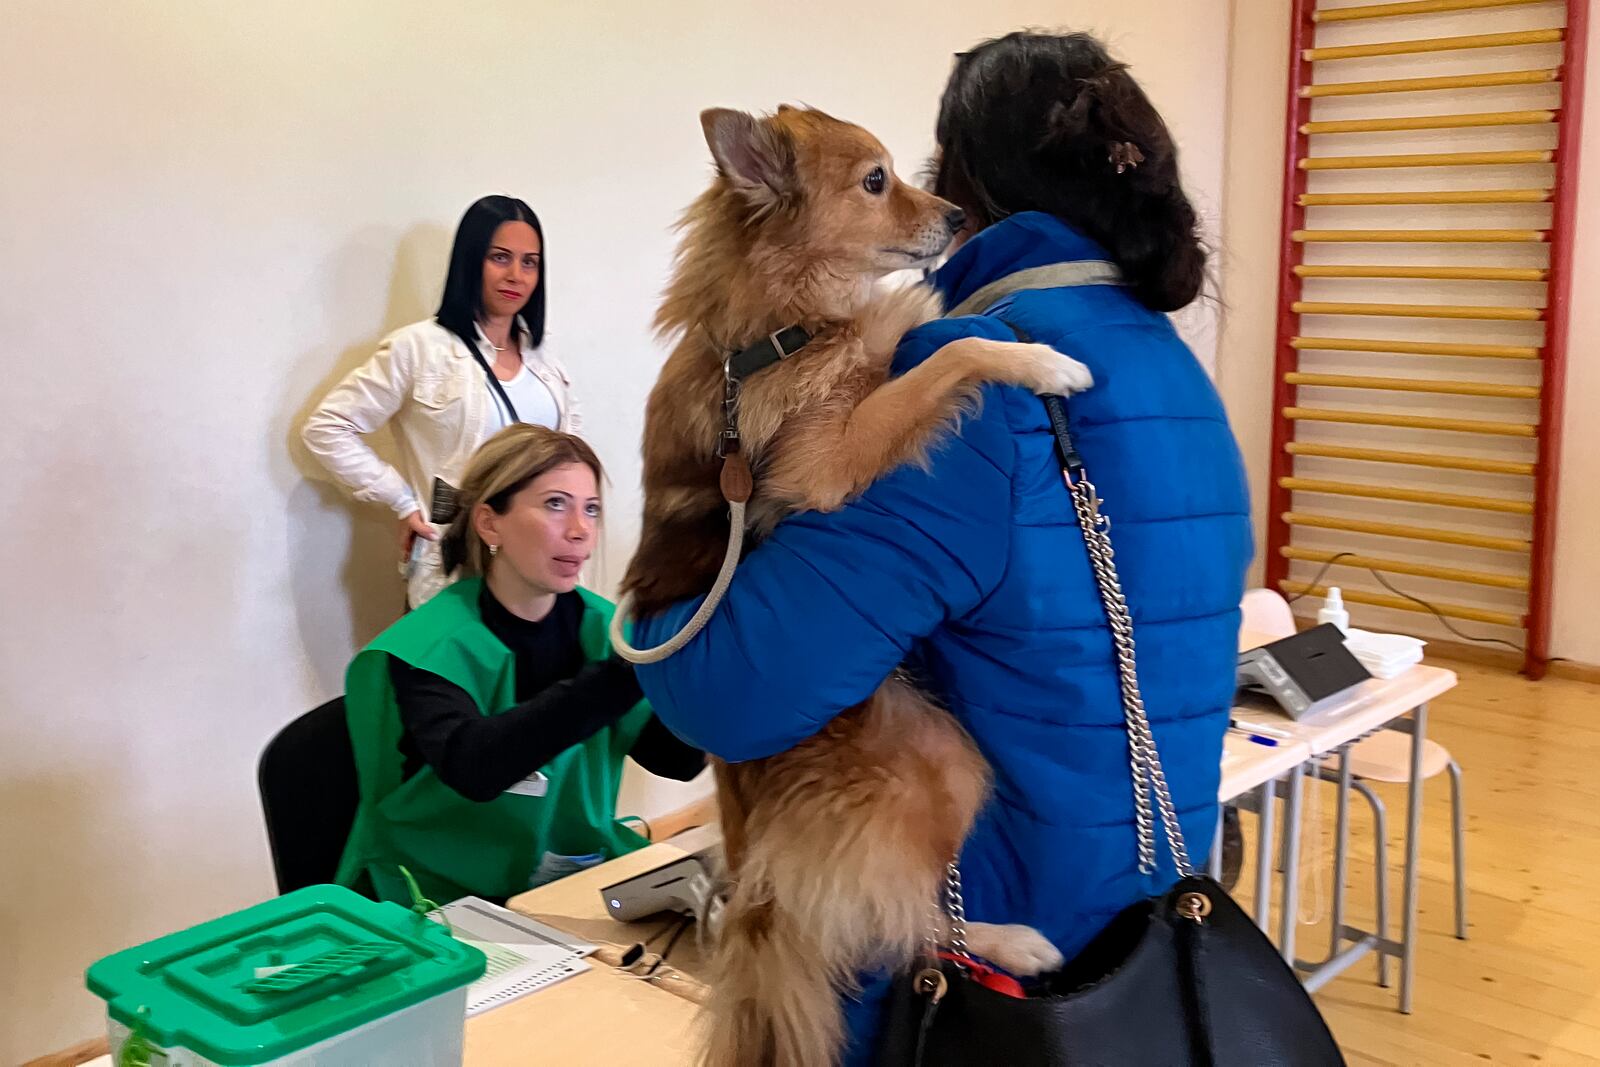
(751, 154)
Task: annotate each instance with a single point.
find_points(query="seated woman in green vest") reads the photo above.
(491, 723)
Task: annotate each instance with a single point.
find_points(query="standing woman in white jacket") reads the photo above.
(448, 384)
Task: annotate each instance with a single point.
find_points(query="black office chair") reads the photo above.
(307, 778)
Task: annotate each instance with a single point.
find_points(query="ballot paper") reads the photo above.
(524, 956)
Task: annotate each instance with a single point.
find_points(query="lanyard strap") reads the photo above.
(494, 383)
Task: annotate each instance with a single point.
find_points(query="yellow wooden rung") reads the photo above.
(1452, 195)
(1433, 44)
(1379, 600)
(1421, 236)
(1410, 533)
(1396, 566)
(1413, 7)
(1400, 567)
(1426, 159)
(1413, 422)
(1413, 348)
(1382, 270)
(1430, 122)
(1419, 85)
(1414, 385)
(1415, 459)
(1410, 496)
(1419, 311)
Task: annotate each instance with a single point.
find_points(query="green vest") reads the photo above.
(454, 846)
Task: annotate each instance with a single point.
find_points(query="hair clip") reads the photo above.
(1125, 155)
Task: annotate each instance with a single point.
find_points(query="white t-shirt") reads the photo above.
(532, 399)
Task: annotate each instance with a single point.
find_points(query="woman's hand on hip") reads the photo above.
(412, 527)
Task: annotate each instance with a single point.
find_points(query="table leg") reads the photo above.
(1408, 919)
(1265, 847)
(1341, 846)
(1214, 864)
(1290, 919)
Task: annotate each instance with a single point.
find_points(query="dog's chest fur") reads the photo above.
(778, 408)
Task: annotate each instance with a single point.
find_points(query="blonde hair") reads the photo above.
(505, 464)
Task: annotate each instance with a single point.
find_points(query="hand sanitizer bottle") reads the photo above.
(1333, 610)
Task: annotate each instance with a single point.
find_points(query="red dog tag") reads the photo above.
(987, 976)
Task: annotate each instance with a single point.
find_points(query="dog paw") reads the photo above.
(1049, 373)
(1022, 950)
(1071, 377)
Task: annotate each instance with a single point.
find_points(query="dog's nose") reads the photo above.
(955, 218)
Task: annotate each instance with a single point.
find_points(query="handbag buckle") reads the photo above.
(931, 983)
(1194, 906)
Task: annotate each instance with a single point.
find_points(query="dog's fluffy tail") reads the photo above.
(773, 1001)
(846, 851)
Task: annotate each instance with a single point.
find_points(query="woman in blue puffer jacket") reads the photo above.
(974, 570)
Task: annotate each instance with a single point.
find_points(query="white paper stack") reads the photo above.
(1384, 655)
(525, 956)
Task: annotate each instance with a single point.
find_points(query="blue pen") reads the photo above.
(1257, 738)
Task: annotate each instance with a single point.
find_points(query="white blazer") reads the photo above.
(424, 381)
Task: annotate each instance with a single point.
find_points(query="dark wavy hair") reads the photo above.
(1042, 122)
(463, 282)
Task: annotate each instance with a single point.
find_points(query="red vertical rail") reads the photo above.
(1559, 297)
(1302, 29)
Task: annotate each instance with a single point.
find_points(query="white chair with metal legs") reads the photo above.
(1386, 757)
(1266, 612)
(1380, 863)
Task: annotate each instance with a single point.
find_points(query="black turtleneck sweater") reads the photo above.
(561, 701)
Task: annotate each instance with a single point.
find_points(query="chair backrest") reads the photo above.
(1265, 612)
(307, 778)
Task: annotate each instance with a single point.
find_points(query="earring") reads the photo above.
(493, 549)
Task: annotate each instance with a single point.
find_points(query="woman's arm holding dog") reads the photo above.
(830, 604)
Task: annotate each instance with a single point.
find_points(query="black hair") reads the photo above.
(1045, 122)
(463, 283)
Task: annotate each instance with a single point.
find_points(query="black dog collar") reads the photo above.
(773, 348)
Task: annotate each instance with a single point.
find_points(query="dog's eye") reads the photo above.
(875, 180)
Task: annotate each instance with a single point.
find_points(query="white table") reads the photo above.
(1374, 705)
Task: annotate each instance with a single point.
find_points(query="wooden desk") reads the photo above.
(573, 904)
(603, 1015)
(599, 1017)
(635, 1022)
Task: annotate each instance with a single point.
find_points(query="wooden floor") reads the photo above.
(1525, 987)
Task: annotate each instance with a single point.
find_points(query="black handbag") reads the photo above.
(1182, 978)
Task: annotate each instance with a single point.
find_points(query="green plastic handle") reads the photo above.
(349, 963)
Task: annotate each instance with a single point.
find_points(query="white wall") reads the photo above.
(212, 211)
(1257, 79)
